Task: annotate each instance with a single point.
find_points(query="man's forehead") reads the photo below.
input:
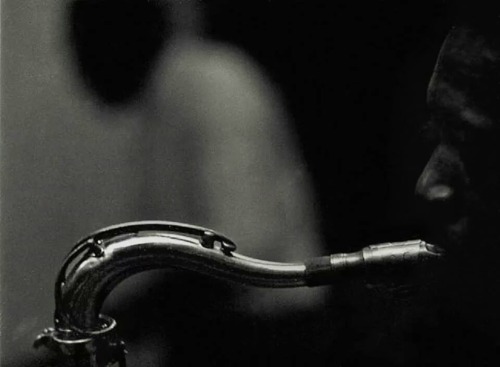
(466, 79)
(469, 48)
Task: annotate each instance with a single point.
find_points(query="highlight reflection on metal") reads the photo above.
(100, 261)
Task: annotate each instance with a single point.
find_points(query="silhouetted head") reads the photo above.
(117, 43)
(461, 181)
(460, 185)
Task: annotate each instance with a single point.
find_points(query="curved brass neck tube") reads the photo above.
(100, 261)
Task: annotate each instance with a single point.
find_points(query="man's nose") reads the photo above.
(441, 179)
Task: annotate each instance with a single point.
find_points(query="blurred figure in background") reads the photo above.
(215, 149)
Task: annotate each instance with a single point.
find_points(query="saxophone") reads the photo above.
(97, 263)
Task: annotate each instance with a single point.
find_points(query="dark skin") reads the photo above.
(461, 180)
(456, 320)
(454, 317)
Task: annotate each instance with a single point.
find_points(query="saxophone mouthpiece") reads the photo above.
(371, 260)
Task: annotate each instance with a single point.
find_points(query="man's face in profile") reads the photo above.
(461, 181)
(460, 184)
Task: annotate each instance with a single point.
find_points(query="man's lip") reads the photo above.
(449, 237)
(435, 249)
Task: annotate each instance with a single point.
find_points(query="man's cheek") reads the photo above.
(483, 199)
(458, 231)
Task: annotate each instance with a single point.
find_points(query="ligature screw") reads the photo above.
(208, 239)
(96, 247)
(227, 247)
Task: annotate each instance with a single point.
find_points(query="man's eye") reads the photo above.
(477, 141)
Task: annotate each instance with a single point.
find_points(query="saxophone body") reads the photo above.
(85, 338)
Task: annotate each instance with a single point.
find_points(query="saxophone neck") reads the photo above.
(97, 263)
(102, 260)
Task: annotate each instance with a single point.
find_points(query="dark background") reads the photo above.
(354, 76)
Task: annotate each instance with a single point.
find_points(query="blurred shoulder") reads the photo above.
(215, 77)
(200, 57)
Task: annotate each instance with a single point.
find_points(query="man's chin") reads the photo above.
(467, 281)
(457, 297)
